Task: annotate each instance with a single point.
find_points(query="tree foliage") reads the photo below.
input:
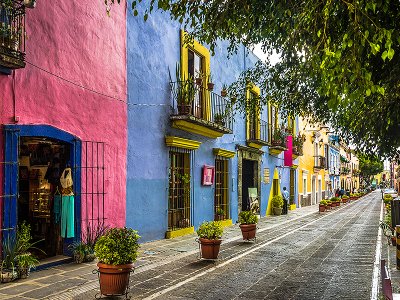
(369, 165)
(339, 59)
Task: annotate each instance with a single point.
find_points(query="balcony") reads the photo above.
(319, 162)
(297, 145)
(344, 170)
(258, 137)
(278, 140)
(12, 34)
(199, 110)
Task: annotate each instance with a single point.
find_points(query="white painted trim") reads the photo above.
(378, 250)
(305, 171)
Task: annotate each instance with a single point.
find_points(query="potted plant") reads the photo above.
(210, 84)
(117, 251)
(8, 265)
(210, 234)
(25, 262)
(322, 205)
(220, 213)
(248, 224)
(335, 201)
(199, 78)
(185, 92)
(279, 137)
(79, 251)
(219, 119)
(328, 204)
(277, 204)
(345, 198)
(224, 91)
(24, 259)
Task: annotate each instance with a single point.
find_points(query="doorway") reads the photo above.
(313, 191)
(28, 184)
(292, 185)
(248, 181)
(41, 163)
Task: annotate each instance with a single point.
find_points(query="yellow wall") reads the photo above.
(306, 162)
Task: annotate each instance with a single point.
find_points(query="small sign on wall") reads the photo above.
(266, 175)
(208, 175)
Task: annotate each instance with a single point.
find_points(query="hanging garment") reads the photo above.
(57, 208)
(67, 217)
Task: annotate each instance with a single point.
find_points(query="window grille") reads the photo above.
(221, 195)
(179, 194)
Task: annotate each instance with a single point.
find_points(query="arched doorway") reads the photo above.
(35, 156)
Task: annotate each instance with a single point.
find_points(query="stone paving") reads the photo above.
(164, 263)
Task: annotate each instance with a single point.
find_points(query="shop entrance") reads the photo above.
(34, 158)
(41, 163)
(248, 181)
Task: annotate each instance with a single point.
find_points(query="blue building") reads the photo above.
(334, 162)
(190, 159)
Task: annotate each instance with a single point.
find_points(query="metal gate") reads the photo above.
(92, 191)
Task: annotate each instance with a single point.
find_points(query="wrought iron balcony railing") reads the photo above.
(278, 136)
(12, 34)
(344, 170)
(262, 135)
(201, 104)
(319, 162)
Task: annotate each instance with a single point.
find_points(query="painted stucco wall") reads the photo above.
(153, 49)
(75, 41)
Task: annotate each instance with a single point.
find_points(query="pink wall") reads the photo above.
(76, 40)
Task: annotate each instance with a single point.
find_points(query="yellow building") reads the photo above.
(313, 173)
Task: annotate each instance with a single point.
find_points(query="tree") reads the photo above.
(340, 59)
(370, 165)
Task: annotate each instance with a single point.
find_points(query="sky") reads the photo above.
(263, 56)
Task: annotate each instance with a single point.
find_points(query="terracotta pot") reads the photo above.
(224, 93)
(184, 109)
(322, 208)
(114, 280)
(393, 241)
(199, 81)
(329, 206)
(210, 86)
(277, 211)
(344, 200)
(23, 273)
(248, 231)
(209, 248)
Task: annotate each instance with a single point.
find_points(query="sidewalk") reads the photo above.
(70, 280)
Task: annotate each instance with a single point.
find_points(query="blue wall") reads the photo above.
(152, 48)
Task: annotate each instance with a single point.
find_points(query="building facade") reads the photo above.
(191, 156)
(334, 162)
(63, 108)
(313, 175)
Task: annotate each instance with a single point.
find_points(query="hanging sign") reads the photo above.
(208, 175)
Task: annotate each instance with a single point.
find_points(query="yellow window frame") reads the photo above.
(205, 54)
(255, 90)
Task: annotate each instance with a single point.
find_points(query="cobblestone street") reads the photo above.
(304, 255)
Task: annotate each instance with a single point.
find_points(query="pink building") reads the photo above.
(65, 108)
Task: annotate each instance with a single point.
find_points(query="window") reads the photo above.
(179, 190)
(253, 120)
(221, 196)
(275, 184)
(195, 69)
(304, 186)
(273, 115)
(195, 62)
